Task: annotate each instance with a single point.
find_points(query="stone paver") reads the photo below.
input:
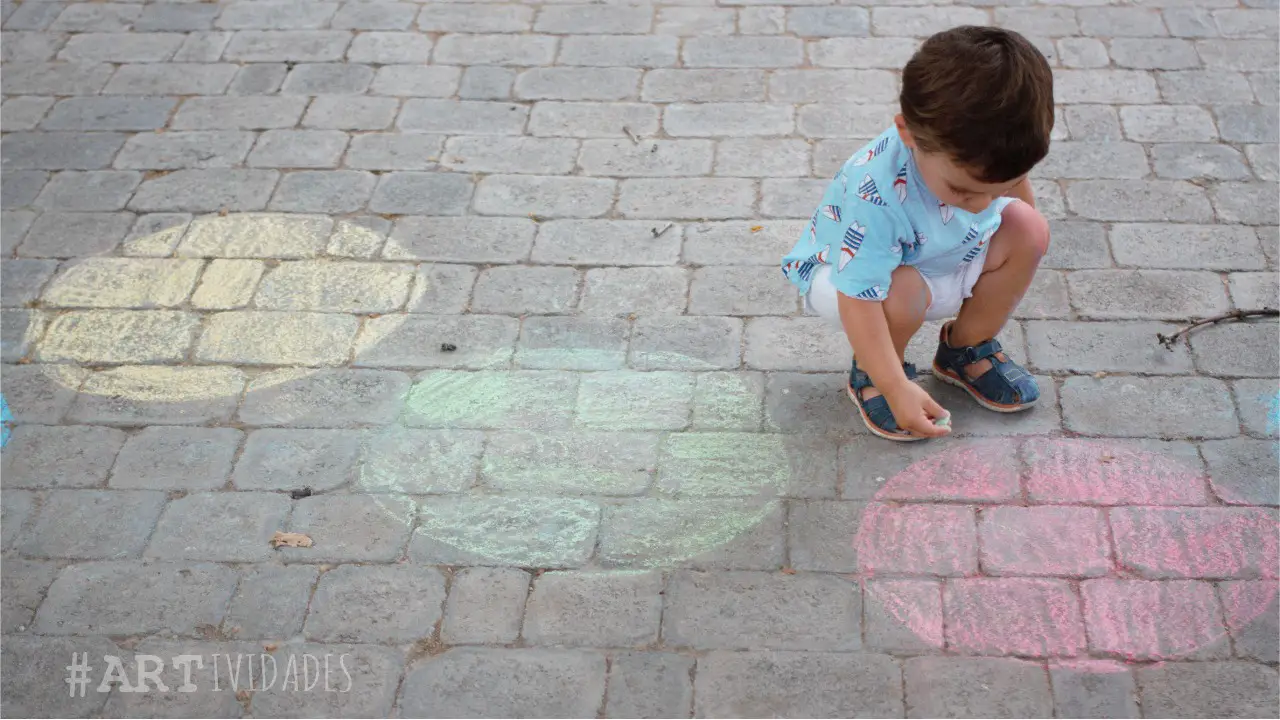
(1093, 688)
(884, 629)
(277, 338)
(122, 598)
(807, 684)
(30, 657)
(270, 601)
(981, 687)
(125, 283)
(766, 612)
(645, 684)
(485, 606)
(134, 395)
(1159, 542)
(339, 287)
(615, 464)
(40, 393)
(23, 592)
(351, 528)
(549, 682)
(109, 525)
(419, 461)
(371, 690)
(325, 398)
(219, 526)
(278, 459)
(204, 697)
(375, 604)
(1224, 689)
(118, 336)
(227, 284)
(1055, 541)
(484, 299)
(1239, 471)
(42, 456)
(1254, 635)
(608, 610)
(1151, 407)
(1178, 626)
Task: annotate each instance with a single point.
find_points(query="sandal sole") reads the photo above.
(950, 378)
(895, 437)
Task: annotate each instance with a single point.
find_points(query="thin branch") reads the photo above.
(1170, 340)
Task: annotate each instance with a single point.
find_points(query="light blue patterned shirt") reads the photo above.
(878, 214)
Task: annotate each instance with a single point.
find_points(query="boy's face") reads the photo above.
(952, 183)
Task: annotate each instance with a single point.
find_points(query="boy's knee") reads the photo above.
(908, 293)
(1027, 223)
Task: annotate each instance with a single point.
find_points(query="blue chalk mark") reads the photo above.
(6, 418)
(1273, 415)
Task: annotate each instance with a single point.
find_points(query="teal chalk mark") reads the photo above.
(6, 418)
(1273, 415)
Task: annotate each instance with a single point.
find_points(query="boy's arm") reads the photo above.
(1022, 191)
(868, 332)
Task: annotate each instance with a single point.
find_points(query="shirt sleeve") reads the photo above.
(863, 232)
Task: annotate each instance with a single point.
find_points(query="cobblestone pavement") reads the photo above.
(499, 285)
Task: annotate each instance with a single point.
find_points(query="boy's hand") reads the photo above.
(915, 411)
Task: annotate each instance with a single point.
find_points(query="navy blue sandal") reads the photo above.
(875, 412)
(1007, 387)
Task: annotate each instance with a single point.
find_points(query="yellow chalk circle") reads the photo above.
(141, 311)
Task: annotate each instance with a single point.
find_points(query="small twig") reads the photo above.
(635, 139)
(658, 233)
(1170, 340)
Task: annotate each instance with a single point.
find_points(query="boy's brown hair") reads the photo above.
(984, 97)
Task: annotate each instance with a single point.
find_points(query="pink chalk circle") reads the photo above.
(1070, 549)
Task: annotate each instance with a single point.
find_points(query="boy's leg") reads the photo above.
(1012, 259)
(905, 310)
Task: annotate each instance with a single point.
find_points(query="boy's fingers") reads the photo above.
(925, 427)
(934, 409)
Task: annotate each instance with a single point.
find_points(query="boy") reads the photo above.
(933, 219)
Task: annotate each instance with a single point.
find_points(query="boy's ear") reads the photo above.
(901, 123)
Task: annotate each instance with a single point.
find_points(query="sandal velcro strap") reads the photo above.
(1012, 373)
(858, 378)
(983, 351)
(910, 370)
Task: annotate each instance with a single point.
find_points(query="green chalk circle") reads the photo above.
(614, 469)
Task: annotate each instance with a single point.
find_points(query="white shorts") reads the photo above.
(946, 292)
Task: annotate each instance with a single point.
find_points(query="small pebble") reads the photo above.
(448, 347)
